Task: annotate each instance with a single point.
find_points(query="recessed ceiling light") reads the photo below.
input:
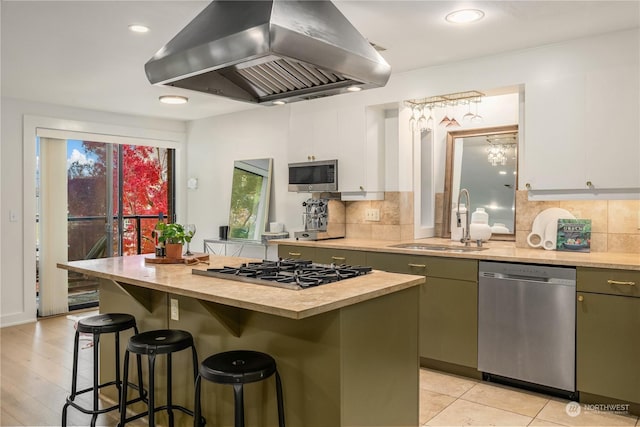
(173, 99)
(464, 16)
(279, 102)
(137, 28)
(502, 172)
(354, 88)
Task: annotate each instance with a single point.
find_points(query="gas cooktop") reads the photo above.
(286, 273)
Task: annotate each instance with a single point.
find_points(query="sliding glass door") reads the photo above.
(113, 196)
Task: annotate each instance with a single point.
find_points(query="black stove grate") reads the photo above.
(289, 273)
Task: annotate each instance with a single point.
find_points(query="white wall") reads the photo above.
(17, 266)
(214, 143)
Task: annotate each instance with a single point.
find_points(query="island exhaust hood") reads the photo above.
(266, 51)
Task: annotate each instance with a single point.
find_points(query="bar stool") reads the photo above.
(239, 367)
(97, 325)
(153, 343)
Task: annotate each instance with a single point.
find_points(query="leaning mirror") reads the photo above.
(485, 162)
(250, 192)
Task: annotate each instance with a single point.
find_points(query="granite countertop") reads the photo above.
(295, 304)
(496, 251)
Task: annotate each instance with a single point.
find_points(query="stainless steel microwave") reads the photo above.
(317, 176)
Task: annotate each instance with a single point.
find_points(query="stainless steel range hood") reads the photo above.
(266, 51)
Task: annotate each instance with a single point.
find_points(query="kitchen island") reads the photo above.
(347, 351)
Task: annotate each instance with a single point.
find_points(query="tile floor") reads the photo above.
(449, 400)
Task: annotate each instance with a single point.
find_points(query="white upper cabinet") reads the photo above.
(582, 132)
(312, 135)
(613, 117)
(342, 133)
(361, 160)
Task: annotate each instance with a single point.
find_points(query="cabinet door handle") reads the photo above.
(417, 265)
(294, 253)
(338, 258)
(361, 188)
(618, 282)
(580, 298)
(589, 184)
(528, 186)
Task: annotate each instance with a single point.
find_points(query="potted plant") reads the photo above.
(173, 237)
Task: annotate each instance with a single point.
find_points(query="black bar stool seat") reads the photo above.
(239, 367)
(97, 325)
(151, 344)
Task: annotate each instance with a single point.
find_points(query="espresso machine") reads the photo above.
(323, 218)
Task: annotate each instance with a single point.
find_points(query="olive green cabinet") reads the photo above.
(608, 333)
(322, 255)
(448, 299)
(339, 256)
(448, 304)
(297, 252)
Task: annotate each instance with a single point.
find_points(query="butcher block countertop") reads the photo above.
(496, 251)
(295, 304)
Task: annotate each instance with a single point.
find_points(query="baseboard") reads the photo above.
(451, 368)
(16, 319)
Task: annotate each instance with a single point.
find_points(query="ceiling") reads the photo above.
(81, 53)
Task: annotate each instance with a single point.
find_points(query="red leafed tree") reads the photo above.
(144, 189)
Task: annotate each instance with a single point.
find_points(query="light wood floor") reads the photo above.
(35, 374)
(35, 378)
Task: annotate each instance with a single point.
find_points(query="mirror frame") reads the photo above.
(448, 176)
(261, 222)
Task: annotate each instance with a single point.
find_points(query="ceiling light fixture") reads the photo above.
(279, 102)
(354, 88)
(173, 99)
(138, 28)
(464, 16)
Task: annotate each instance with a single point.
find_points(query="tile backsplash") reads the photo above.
(396, 217)
(614, 223)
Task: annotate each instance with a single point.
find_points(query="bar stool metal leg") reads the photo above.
(280, 400)
(74, 377)
(96, 380)
(238, 400)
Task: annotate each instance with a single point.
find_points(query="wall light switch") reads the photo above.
(175, 312)
(372, 214)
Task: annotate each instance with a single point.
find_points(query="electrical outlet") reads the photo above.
(175, 312)
(372, 214)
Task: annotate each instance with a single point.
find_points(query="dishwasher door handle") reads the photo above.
(514, 277)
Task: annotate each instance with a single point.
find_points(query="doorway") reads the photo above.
(109, 197)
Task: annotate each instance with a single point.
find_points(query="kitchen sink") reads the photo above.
(437, 248)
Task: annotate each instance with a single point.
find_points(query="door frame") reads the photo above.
(50, 127)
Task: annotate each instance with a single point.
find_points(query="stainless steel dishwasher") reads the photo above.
(526, 324)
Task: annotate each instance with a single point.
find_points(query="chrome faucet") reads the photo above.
(466, 238)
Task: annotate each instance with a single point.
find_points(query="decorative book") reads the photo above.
(574, 235)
